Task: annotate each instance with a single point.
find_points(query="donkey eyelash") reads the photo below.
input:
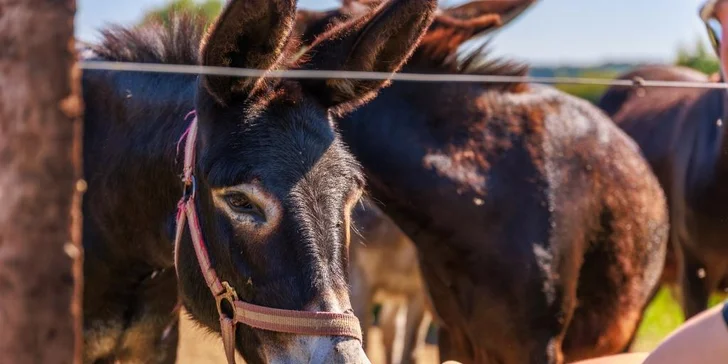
(263, 208)
(237, 200)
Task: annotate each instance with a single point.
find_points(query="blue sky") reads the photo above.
(552, 32)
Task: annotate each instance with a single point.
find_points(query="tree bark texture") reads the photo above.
(40, 185)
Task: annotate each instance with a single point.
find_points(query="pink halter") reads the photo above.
(265, 318)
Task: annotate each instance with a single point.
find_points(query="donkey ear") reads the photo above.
(467, 28)
(354, 7)
(247, 34)
(380, 41)
(479, 14)
(311, 23)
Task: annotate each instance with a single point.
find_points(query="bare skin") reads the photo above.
(630, 358)
(700, 340)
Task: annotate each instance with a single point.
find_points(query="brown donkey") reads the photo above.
(274, 184)
(540, 228)
(681, 131)
(384, 269)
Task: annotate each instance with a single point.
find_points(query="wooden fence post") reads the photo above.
(40, 184)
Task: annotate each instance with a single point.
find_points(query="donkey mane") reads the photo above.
(178, 42)
(175, 42)
(439, 49)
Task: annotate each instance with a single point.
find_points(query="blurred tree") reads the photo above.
(41, 277)
(698, 58)
(207, 9)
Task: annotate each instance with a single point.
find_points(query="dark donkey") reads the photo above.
(681, 133)
(275, 184)
(541, 230)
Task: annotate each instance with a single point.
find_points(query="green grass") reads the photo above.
(663, 316)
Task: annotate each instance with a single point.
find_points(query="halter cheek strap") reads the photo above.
(237, 311)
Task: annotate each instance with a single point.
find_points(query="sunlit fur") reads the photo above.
(540, 227)
(271, 139)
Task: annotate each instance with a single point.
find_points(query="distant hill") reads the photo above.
(607, 69)
(591, 93)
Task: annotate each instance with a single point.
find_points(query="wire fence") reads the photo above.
(412, 77)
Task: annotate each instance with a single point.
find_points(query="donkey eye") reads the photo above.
(240, 203)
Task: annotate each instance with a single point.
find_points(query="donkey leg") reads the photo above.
(362, 295)
(393, 319)
(412, 337)
(170, 342)
(633, 338)
(616, 283)
(454, 345)
(153, 334)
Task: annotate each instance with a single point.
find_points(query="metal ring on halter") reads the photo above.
(190, 189)
(228, 294)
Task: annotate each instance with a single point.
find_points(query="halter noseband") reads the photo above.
(237, 311)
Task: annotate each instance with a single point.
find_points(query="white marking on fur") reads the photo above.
(318, 350)
(465, 173)
(269, 205)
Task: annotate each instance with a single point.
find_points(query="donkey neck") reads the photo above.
(703, 135)
(132, 124)
(718, 109)
(402, 129)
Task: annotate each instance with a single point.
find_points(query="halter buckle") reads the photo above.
(190, 187)
(228, 294)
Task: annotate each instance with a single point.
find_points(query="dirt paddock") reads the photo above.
(197, 346)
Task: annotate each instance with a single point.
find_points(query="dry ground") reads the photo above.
(662, 316)
(199, 347)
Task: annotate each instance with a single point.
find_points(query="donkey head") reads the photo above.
(275, 185)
